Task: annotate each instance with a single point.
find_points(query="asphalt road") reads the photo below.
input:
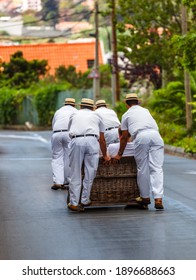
(35, 223)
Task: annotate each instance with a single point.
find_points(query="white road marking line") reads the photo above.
(191, 172)
(35, 137)
(27, 159)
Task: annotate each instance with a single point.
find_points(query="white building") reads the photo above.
(13, 26)
(31, 5)
(20, 5)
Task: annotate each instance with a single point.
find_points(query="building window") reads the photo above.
(90, 63)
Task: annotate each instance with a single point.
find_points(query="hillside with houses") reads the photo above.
(37, 19)
(64, 40)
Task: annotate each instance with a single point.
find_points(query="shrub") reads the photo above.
(45, 101)
(189, 144)
(20, 73)
(169, 103)
(172, 133)
(120, 109)
(10, 103)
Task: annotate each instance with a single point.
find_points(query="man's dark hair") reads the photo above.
(86, 107)
(70, 105)
(132, 102)
(99, 106)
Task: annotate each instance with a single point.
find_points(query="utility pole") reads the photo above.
(96, 79)
(189, 120)
(115, 72)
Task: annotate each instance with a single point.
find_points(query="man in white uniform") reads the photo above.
(149, 150)
(59, 144)
(113, 148)
(110, 121)
(86, 130)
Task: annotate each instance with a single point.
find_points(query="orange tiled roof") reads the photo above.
(74, 53)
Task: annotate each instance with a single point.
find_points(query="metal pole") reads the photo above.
(96, 80)
(115, 73)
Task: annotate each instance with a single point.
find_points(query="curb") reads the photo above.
(177, 151)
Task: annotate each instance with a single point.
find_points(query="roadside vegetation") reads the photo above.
(21, 79)
(161, 50)
(163, 33)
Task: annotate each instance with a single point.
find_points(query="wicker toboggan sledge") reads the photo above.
(115, 184)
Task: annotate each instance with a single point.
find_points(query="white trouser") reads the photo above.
(60, 157)
(149, 156)
(111, 136)
(83, 150)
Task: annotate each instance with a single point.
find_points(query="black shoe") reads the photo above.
(158, 204)
(77, 208)
(56, 187)
(143, 201)
(87, 204)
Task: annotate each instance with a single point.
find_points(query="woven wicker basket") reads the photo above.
(115, 184)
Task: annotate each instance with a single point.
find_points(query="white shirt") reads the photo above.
(85, 121)
(109, 117)
(112, 149)
(136, 119)
(62, 116)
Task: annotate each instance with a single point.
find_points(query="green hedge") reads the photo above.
(10, 103)
(45, 102)
(43, 95)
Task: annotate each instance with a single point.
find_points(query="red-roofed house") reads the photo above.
(80, 54)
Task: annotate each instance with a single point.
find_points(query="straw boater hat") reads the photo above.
(87, 102)
(132, 96)
(100, 103)
(70, 101)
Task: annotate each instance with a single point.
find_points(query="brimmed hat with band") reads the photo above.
(87, 102)
(100, 102)
(132, 96)
(70, 101)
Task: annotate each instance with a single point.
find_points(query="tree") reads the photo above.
(185, 45)
(50, 11)
(81, 80)
(191, 4)
(145, 30)
(22, 73)
(148, 27)
(69, 74)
